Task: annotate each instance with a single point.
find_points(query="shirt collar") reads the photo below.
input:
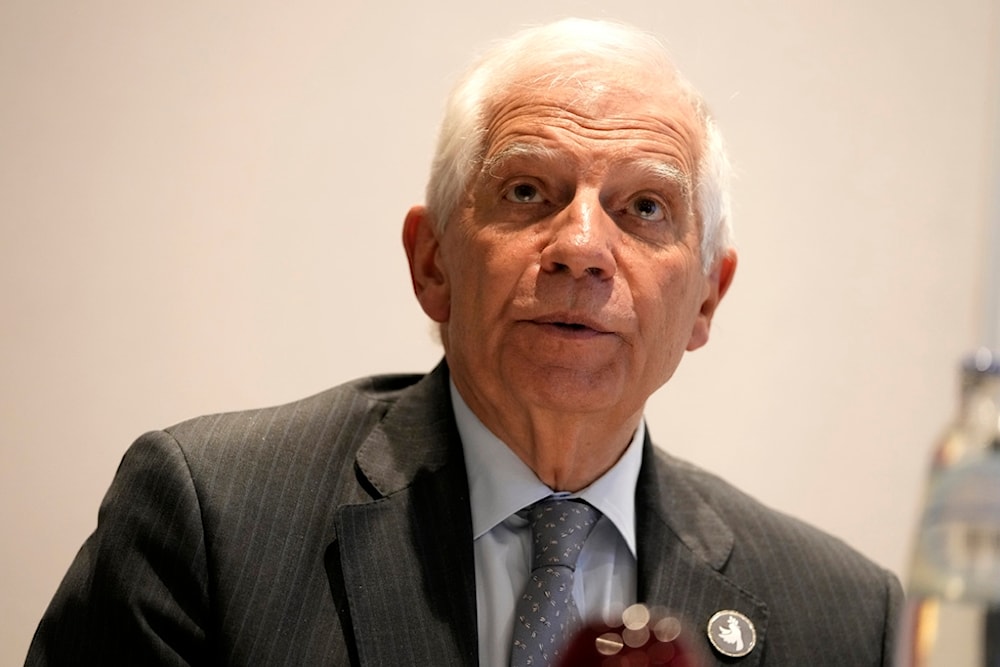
(500, 484)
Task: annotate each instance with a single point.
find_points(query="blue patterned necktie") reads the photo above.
(546, 615)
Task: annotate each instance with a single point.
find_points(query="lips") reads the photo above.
(573, 323)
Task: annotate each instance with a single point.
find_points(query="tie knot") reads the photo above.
(559, 527)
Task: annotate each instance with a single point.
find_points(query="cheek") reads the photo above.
(483, 275)
(499, 262)
(676, 304)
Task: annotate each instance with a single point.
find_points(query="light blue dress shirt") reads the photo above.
(500, 485)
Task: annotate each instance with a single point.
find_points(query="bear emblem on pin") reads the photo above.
(732, 634)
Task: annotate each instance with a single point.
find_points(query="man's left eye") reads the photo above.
(647, 209)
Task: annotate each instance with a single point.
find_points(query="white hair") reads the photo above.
(519, 60)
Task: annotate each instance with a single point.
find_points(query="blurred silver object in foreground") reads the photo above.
(952, 617)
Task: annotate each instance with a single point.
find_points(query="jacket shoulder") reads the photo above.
(764, 533)
(327, 416)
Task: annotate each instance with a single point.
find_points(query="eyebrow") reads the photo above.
(517, 149)
(662, 171)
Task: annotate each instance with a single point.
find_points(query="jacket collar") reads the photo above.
(416, 437)
(406, 557)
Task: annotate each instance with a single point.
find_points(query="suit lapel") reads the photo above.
(683, 546)
(407, 558)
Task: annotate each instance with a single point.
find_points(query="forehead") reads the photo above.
(603, 112)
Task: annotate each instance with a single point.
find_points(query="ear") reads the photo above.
(718, 284)
(430, 283)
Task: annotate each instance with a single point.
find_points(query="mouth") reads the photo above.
(572, 325)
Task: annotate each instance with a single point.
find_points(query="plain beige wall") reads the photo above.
(201, 205)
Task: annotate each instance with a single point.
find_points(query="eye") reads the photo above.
(523, 193)
(647, 209)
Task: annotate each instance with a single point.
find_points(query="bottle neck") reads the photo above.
(979, 409)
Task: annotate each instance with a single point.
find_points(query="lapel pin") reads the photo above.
(731, 633)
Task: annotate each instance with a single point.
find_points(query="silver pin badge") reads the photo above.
(731, 633)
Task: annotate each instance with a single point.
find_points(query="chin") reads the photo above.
(570, 390)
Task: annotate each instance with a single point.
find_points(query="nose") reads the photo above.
(582, 240)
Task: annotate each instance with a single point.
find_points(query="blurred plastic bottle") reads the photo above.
(952, 615)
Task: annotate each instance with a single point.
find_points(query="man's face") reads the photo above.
(571, 279)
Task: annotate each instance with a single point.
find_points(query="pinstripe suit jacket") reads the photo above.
(336, 531)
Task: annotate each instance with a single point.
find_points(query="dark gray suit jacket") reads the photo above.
(336, 531)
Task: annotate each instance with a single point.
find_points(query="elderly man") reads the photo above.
(574, 244)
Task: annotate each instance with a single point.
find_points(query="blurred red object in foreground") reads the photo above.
(645, 637)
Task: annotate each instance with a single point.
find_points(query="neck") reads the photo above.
(566, 451)
(571, 456)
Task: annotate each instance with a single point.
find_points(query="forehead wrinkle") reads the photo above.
(671, 132)
(671, 137)
(598, 124)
